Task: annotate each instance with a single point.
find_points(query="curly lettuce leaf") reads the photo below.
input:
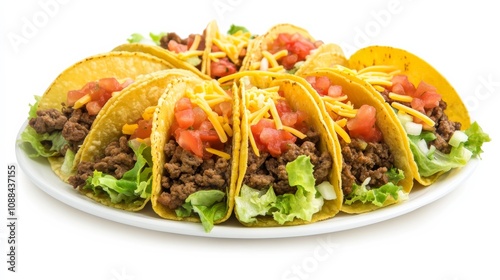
(208, 204)
(376, 196)
(430, 164)
(235, 28)
(135, 183)
(303, 204)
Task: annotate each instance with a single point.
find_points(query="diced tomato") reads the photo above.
(289, 61)
(199, 116)
(402, 81)
(183, 104)
(176, 47)
(428, 94)
(289, 119)
(109, 84)
(224, 109)
(93, 108)
(282, 107)
(73, 96)
(222, 68)
(363, 125)
(185, 118)
(143, 130)
(263, 123)
(190, 140)
(335, 91)
(322, 85)
(418, 104)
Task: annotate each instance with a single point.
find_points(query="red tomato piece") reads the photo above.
(73, 96)
(176, 47)
(363, 125)
(109, 84)
(222, 68)
(143, 130)
(183, 104)
(93, 108)
(190, 140)
(402, 80)
(199, 116)
(185, 118)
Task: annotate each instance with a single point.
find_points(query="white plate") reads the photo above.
(40, 173)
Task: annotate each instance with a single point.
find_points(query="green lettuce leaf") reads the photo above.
(235, 28)
(303, 204)
(376, 196)
(135, 183)
(429, 164)
(208, 204)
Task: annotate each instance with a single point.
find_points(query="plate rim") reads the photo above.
(49, 183)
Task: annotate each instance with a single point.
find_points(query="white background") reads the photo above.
(454, 238)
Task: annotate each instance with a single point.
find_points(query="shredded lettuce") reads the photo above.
(235, 28)
(377, 196)
(208, 204)
(303, 204)
(135, 183)
(139, 38)
(37, 145)
(434, 162)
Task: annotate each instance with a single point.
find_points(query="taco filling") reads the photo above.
(60, 133)
(286, 53)
(287, 176)
(123, 172)
(196, 174)
(369, 173)
(438, 144)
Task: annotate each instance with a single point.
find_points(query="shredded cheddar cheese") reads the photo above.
(400, 97)
(82, 101)
(148, 113)
(196, 43)
(129, 129)
(414, 113)
(218, 153)
(188, 54)
(232, 45)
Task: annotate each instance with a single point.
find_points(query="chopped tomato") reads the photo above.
(185, 118)
(363, 125)
(73, 96)
(297, 45)
(176, 47)
(224, 109)
(428, 94)
(183, 104)
(222, 67)
(189, 140)
(199, 117)
(335, 91)
(93, 108)
(269, 139)
(403, 85)
(143, 130)
(109, 84)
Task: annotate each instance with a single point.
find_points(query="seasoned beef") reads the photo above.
(362, 160)
(184, 173)
(74, 125)
(265, 171)
(118, 158)
(444, 127)
(48, 121)
(172, 36)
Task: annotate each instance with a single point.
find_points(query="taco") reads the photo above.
(196, 139)
(115, 165)
(61, 119)
(226, 51)
(435, 120)
(375, 169)
(288, 174)
(286, 48)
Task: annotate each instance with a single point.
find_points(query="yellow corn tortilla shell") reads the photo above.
(417, 70)
(325, 56)
(120, 65)
(298, 98)
(163, 120)
(127, 108)
(259, 44)
(359, 93)
(163, 54)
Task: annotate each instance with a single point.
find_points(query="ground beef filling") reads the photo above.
(265, 171)
(184, 173)
(444, 127)
(172, 36)
(74, 124)
(363, 160)
(117, 159)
